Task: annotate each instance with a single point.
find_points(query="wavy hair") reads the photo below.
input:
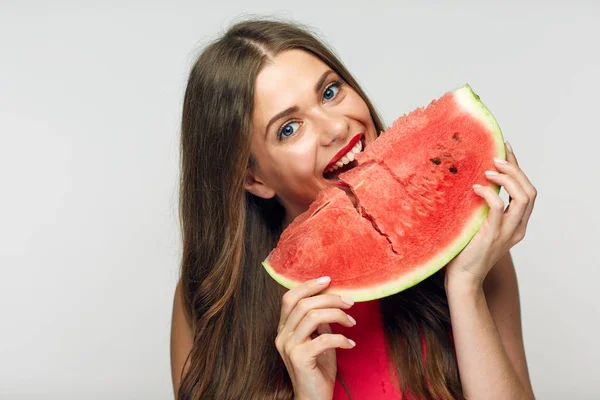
(230, 302)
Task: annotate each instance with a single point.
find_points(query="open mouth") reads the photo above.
(333, 175)
(335, 170)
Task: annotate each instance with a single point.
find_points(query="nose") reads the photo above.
(331, 127)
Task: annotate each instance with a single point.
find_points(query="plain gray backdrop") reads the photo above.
(90, 107)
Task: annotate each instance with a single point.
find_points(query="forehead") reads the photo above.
(285, 81)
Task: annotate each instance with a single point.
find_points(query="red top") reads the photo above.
(364, 368)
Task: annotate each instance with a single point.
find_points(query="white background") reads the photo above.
(90, 107)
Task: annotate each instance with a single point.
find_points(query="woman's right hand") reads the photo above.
(304, 339)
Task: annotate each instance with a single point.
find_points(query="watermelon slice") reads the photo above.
(414, 208)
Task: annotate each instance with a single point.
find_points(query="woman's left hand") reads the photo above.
(502, 229)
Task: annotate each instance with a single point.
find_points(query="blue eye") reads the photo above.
(285, 132)
(336, 84)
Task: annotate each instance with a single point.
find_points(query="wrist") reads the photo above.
(464, 283)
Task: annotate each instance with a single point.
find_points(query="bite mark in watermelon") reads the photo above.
(415, 208)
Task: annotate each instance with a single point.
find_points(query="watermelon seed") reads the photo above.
(436, 161)
(455, 137)
(453, 169)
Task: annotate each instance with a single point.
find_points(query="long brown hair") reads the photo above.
(231, 303)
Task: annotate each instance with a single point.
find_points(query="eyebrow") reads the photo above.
(293, 109)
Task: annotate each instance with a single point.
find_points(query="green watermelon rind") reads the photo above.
(471, 103)
(407, 280)
(283, 281)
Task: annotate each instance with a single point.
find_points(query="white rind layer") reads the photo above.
(472, 104)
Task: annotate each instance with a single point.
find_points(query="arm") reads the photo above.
(487, 330)
(181, 339)
(487, 334)
(502, 295)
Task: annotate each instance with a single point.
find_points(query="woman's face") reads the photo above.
(293, 150)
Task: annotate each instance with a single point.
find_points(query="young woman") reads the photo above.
(266, 108)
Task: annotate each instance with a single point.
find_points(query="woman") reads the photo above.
(266, 108)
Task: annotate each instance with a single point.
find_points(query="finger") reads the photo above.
(525, 184)
(513, 216)
(517, 173)
(321, 329)
(510, 158)
(314, 318)
(510, 155)
(324, 342)
(529, 209)
(324, 328)
(305, 305)
(496, 205)
(293, 296)
(511, 167)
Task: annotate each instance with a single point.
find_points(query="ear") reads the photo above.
(254, 184)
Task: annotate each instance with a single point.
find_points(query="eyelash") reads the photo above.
(336, 83)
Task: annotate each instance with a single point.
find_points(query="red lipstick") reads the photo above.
(344, 150)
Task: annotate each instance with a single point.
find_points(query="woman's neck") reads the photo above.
(287, 219)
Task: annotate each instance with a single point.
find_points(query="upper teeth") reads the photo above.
(346, 158)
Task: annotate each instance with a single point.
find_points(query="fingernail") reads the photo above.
(509, 147)
(352, 320)
(476, 186)
(323, 280)
(347, 300)
(500, 161)
(352, 342)
(491, 173)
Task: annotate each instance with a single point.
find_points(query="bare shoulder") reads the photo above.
(181, 338)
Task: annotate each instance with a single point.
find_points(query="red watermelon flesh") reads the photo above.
(306, 251)
(415, 205)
